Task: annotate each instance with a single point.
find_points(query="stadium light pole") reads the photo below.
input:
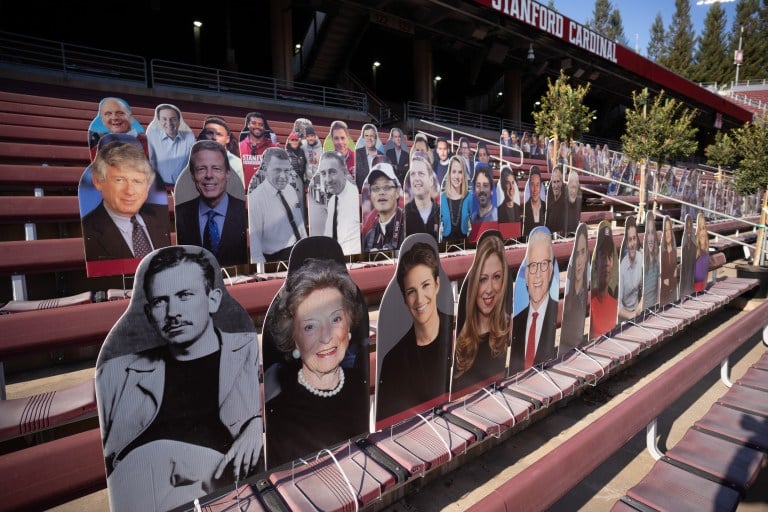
(196, 27)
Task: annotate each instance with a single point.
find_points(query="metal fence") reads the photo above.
(187, 76)
(70, 59)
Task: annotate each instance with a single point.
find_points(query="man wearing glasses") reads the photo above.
(274, 215)
(124, 225)
(215, 219)
(533, 328)
(388, 230)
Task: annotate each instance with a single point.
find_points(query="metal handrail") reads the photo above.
(187, 76)
(18, 50)
(452, 116)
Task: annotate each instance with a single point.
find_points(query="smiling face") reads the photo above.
(321, 330)
(334, 176)
(340, 142)
(535, 188)
(256, 127)
(123, 190)
(115, 116)
(650, 236)
(169, 120)
(490, 283)
(179, 306)
(369, 139)
(536, 279)
(220, 134)
(397, 139)
(420, 294)
(464, 148)
(482, 190)
(279, 172)
(456, 176)
(556, 183)
(632, 242)
(573, 188)
(210, 174)
(482, 155)
(384, 196)
(421, 179)
(509, 188)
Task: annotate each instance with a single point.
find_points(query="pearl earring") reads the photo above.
(295, 353)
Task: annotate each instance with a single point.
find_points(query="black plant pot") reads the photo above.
(755, 272)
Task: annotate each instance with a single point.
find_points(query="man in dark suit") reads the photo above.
(533, 328)
(535, 210)
(123, 225)
(398, 154)
(215, 219)
(364, 156)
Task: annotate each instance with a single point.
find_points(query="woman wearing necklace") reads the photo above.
(317, 396)
(455, 206)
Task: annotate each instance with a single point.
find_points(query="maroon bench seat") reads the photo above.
(754, 378)
(27, 415)
(669, 488)
(40, 175)
(734, 463)
(588, 367)
(49, 474)
(45, 153)
(614, 348)
(492, 412)
(639, 333)
(321, 484)
(544, 386)
(753, 401)
(748, 429)
(762, 363)
(419, 445)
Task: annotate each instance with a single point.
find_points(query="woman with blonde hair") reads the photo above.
(481, 343)
(701, 268)
(455, 207)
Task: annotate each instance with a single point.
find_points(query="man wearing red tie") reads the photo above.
(533, 328)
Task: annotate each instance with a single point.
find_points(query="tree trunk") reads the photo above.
(641, 199)
(759, 254)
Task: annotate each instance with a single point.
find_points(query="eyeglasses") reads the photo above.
(382, 188)
(535, 267)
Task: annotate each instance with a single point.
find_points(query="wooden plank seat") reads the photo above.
(590, 368)
(17, 306)
(622, 506)
(738, 426)
(40, 175)
(491, 411)
(45, 153)
(678, 312)
(753, 401)
(44, 135)
(46, 475)
(669, 488)
(755, 378)
(736, 464)
(27, 120)
(541, 385)
(24, 416)
(420, 444)
(46, 208)
(325, 484)
(655, 320)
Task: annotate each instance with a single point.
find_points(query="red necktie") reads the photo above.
(530, 348)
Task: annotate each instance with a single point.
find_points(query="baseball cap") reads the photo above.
(382, 168)
(309, 130)
(294, 136)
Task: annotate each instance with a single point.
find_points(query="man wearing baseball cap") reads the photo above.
(388, 230)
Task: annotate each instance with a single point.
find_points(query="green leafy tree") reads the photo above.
(657, 128)
(606, 19)
(748, 16)
(750, 143)
(712, 56)
(616, 31)
(657, 45)
(722, 152)
(681, 40)
(563, 114)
